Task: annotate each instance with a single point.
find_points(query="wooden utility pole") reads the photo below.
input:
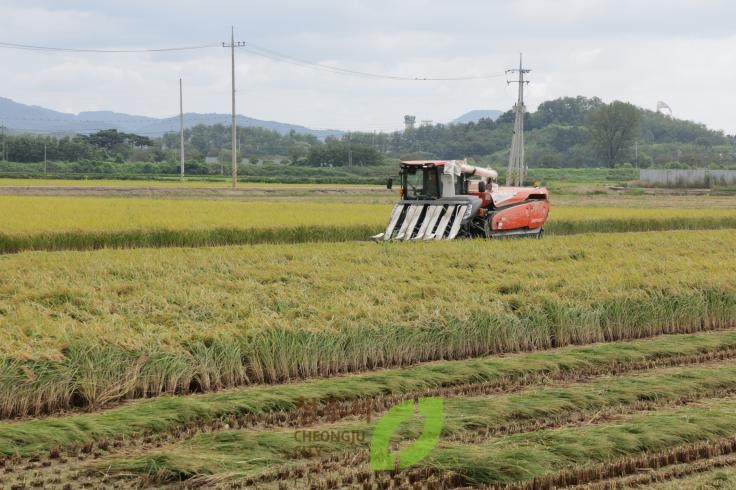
(517, 166)
(181, 129)
(232, 47)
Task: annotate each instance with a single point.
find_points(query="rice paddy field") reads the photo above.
(91, 222)
(173, 340)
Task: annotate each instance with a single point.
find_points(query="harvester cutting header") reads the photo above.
(446, 199)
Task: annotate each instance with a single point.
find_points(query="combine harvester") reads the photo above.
(450, 199)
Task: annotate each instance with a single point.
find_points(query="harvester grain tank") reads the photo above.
(446, 199)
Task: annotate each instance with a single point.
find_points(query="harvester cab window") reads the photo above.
(421, 183)
(461, 185)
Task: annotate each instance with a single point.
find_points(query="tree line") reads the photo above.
(565, 132)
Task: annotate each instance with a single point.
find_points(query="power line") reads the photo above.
(29, 47)
(276, 56)
(258, 51)
(72, 119)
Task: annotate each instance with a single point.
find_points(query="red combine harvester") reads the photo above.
(450, 199)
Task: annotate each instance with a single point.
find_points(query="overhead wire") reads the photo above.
(255, 50)
(258, 51)
(30, 47)
(276, 56)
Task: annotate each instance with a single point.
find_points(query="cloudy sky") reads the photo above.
(680, 52)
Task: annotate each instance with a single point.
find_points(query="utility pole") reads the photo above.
(181, 129)
(3, 131)
(232, 47)
(636, 153)
(350, 150)
(44, 158)
(517, 167)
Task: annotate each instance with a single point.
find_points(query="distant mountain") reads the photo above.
(477, 115)
(21, 118)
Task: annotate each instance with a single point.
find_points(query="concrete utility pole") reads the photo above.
(2, 155)
(636, 153)
(517, 167)
(350, 150)
(181, 129)
(232, 47)
(44, 158)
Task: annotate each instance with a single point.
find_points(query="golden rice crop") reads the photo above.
(83, 223)
(135, 297)
(27, 215)
(633, 200)
(49, 214)
(118, 323)
(581, 213)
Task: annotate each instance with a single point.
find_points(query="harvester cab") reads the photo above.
(449, 199)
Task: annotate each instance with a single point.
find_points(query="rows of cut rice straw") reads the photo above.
(258, 404)
(480, 426)
(92, 327)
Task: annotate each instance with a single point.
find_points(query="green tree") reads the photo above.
(565, 111)
(612, 129)
(106, 139)
(298, 151)
(335, 153)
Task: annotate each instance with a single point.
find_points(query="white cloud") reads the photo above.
(679, 51)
